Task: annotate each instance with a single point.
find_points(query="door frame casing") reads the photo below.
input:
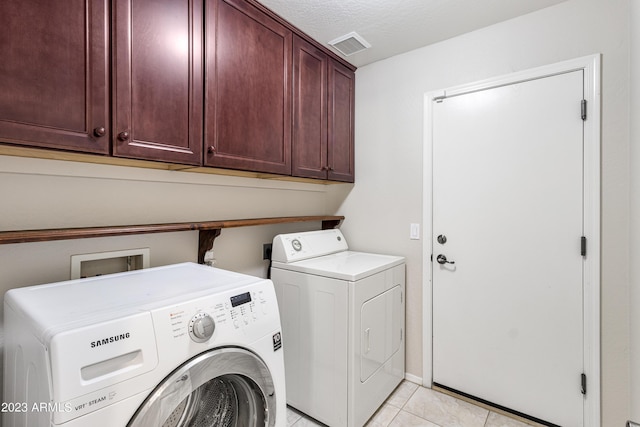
(590, 65)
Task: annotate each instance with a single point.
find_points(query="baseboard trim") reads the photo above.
(413, 378)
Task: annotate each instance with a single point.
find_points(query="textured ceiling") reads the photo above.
(397, 26)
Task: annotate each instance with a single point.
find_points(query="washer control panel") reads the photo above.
(247, 308)
(221, 314)
(201, 327)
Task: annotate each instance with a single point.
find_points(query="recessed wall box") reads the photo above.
(96, 264)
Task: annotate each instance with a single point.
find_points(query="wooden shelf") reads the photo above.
(209, 230)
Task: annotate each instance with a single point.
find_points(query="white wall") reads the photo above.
(389, 137)
(635, 210)
(37, 193)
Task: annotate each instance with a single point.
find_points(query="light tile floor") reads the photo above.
(413, 406)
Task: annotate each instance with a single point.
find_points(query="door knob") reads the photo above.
(443, 260)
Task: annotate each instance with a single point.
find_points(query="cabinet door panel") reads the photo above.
(248, 93)
(158, 85)
(341, 120)
(309, 145)
(53, 74)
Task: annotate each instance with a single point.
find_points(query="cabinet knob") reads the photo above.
(123, 136)
(211, 149)
(99, 131)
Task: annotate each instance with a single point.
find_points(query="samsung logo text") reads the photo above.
(110, 340)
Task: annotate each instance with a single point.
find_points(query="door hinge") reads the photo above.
(583, 383)
(583, 109)
(583, 246)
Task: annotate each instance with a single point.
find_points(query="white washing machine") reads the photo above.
(180, 345)
(342, 315)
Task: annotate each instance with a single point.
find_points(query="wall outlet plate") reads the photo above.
(266, 251)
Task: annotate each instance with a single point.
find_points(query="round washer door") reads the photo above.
(222, 387)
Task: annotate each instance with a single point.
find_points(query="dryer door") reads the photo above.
(222, 387)
(381, 330)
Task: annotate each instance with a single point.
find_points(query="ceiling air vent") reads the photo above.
(350, 43)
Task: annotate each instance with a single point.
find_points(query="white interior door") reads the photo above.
(508, 196)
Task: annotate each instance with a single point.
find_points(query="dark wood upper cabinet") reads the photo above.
(54, 74)
(309, 148)
(323, 105)
(341, 108)
(220, 83)
(157, 88)
(247, 89)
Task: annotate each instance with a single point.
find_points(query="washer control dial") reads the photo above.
(297, 245)
(201, 327)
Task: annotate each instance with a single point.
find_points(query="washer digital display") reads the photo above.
(240, 299)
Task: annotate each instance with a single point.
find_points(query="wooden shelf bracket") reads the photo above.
(206, 239)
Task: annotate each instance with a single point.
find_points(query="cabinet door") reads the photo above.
(158, 80)
(341, 119)
(247, 89)
(54, 75)
(309, 147)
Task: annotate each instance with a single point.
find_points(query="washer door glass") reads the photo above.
(223, 387)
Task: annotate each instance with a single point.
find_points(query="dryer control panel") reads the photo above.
(299, 246)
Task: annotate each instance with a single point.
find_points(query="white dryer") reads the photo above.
(342, 315)
(180, 345)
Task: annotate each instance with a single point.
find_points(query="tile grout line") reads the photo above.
(410, 413)
(410, 396)
(401, 407)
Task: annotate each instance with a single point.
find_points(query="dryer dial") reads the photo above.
(201, 327)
